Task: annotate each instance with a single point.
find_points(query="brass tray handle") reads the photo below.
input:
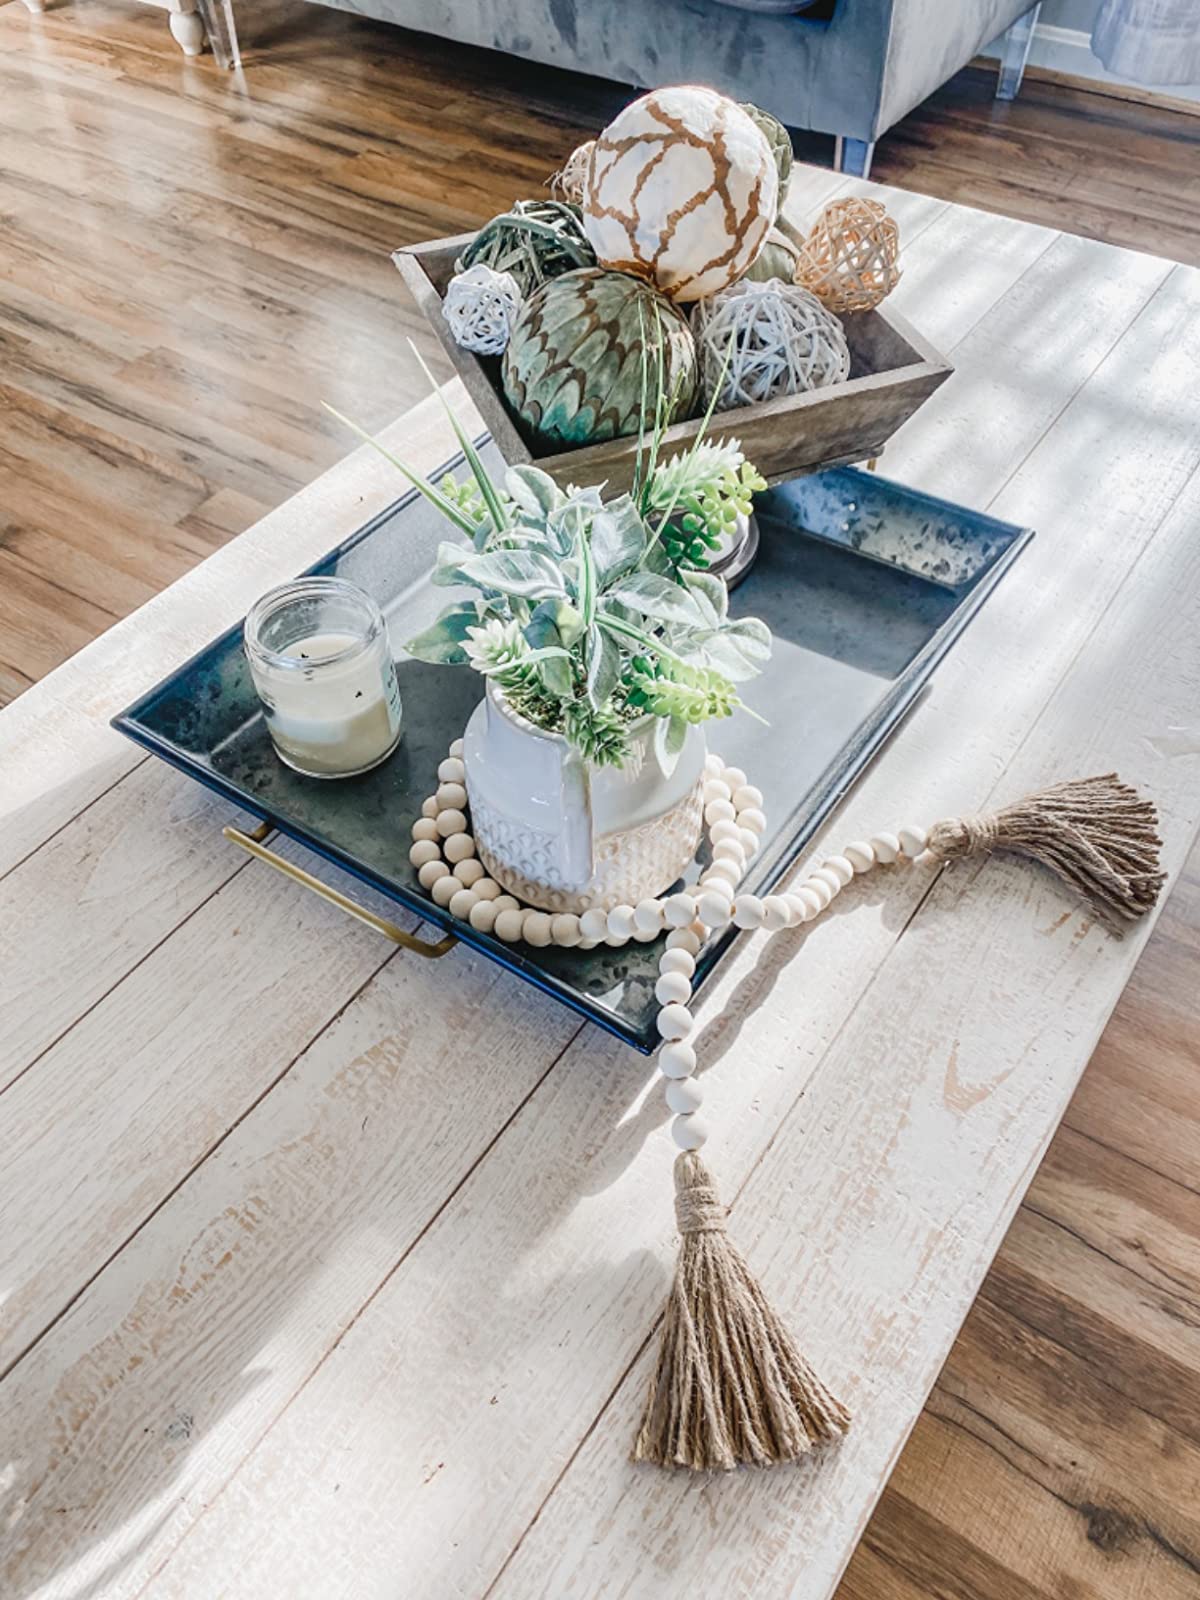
(255, 844)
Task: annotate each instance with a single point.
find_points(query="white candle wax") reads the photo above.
(335, 717)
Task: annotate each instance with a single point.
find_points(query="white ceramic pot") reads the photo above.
(564, 835)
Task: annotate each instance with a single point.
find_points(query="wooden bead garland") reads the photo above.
(850, 258)
(757, 341)
(480, 307)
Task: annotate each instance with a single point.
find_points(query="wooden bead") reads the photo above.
(536, 928)
(775, 913)
(807, 904)
(677, 1060)
(730, 850)
(458, 847)
(461, 903)
(424, 828)
(684, 939)
(429, 808)
(450, 822)
(714, 789)
(588, 944)
(723, 869)
(620, 923)
(672, 988)
(451, 795)
(431, 872)
(645, 935)
(648, 916)
(748, 911)
(719, 811)
(820, 889)
(724, 829)
(506, 902)
(456, 747)
(913, 842)
(734, 777)
(470, 872)
(679, 910)
(713, 909)
(713, 766)
(689, 1133)
(564, 930)
(423, 852)
(684, 1095)
(748, 840)
(860, 855)
(842, 869)
(508, 924)
(445, 889)
(753, 819)
(675, 1022)
(483, 915)
(675, 959)
(715, 881)
(452, 771)
(746, 797)
(886, 847)
(829, 878)
(593, 924)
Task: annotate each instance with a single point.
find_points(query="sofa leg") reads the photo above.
(853, 156)
(1016, 53)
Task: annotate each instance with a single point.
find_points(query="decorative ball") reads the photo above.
(534, 242)
(581, 347)
(849, 259)
(761, 340)
(780, 142)
(682, 189)
(480, 306)
(778, 258)
(569, 181)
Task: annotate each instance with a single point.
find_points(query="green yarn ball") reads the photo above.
(584, 351)
(780, 141)
(535, 241)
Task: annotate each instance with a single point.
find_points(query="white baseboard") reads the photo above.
(1070, 50)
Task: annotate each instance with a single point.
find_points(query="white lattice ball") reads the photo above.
(777, 338)
(480, 306)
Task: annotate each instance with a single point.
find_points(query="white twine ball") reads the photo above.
(570, 180)
(777, 337)
(480, 306)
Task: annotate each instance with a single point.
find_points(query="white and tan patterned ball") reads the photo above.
(570, 179)
(682, 188)
(480, 307)
(757, 341)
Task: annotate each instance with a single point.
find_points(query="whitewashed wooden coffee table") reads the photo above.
(329, 1271)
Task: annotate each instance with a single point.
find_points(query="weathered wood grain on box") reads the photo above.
(893, 371)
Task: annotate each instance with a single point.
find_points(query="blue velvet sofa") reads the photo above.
(850, 68)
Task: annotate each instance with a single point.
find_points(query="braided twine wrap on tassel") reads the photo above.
(1097, 834)
(730, 1388)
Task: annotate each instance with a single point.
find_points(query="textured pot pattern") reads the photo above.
(564, 836)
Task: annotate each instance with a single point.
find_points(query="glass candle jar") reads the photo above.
(321, 663)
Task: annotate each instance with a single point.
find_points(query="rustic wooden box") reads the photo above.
(893, 371)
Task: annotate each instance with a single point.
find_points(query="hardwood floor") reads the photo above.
(192, 262)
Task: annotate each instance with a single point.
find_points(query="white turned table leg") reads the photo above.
(187, 29)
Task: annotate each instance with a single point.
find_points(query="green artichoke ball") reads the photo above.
(585, 350)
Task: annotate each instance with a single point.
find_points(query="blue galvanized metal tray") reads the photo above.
(864, 583)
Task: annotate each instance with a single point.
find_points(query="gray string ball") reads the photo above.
(757, 341)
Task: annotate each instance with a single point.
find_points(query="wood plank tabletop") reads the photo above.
(328, 1271)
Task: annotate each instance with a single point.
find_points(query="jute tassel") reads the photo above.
(730, 1388)
(1097, 834)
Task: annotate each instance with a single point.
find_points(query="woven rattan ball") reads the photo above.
(480, 307)
(776, 338)
(849, 259)
(535, 241)
(569, 181)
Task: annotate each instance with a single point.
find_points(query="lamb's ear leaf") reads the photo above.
(618, 540)
(448, 564)
(657, 598)
(554, 670)
(534, 491)
(524, 573)
(710, 588)
(603, 665)
(740, 649)
(669, 736)
(442, 641)
(554, 622)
